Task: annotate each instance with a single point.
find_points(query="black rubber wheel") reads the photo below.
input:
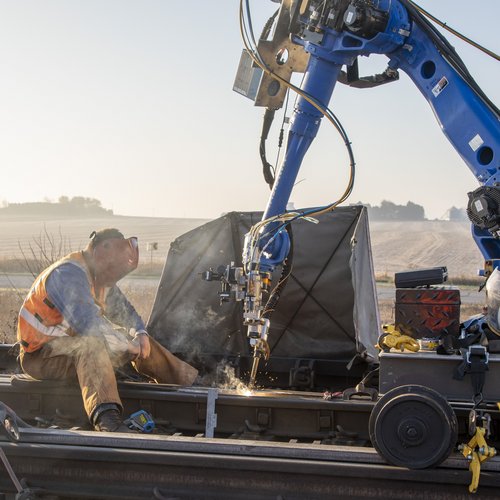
(413, 426)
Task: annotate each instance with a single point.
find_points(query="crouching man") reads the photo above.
(76, 323)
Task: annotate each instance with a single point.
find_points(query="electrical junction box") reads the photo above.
(428, 312)
(248, 77)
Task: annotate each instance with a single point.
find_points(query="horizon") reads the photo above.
(132, 103)
(5, 205)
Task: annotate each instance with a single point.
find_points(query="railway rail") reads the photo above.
(79, 464)
(271, 444)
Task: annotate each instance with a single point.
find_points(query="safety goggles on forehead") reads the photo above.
(134, 242)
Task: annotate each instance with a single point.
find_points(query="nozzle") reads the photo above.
(260, 350)
(253, 373)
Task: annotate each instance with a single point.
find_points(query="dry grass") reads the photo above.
(395, 245)
(142, 298)
(34, 266)
(19, 233)
(461, 280)
(10, 303)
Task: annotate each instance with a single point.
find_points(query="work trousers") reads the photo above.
(88, 360)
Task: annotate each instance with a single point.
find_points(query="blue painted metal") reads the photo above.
(321, 75)
(319, 81)
(468, 123)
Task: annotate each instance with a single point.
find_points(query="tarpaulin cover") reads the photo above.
(328, 309)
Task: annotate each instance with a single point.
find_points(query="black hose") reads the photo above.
(286, 271)
(267, 168)
(267, 27)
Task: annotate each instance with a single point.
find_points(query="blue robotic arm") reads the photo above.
(322, 36)
(468, 119)
(334, 33)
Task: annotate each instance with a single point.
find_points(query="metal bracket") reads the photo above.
(271, 93)
(302, 375)
(8, 422)
(361, 392)
(211, 420)
(477, 350)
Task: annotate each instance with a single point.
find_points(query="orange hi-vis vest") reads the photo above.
(39, 320)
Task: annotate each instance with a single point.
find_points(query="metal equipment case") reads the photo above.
(428, 312)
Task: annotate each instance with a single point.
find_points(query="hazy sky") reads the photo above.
(131, 102)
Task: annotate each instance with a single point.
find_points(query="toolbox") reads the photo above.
(428, 312)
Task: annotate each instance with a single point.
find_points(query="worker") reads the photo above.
(75, 322)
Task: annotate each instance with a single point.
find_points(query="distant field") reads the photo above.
(397, 246)
(20, 232)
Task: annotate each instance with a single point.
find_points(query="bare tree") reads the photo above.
(44, 250)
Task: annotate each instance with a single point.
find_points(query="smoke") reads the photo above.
(224, 377)
(195, 327)
(227, 379)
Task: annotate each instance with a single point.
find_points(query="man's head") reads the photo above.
(113, 256)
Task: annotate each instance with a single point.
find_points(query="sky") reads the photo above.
(131, 102)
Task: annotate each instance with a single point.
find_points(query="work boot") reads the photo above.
(110, 420)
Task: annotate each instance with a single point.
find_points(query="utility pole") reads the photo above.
(151, 247)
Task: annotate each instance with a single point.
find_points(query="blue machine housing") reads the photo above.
(465, 118)
(336, 49)
(468, 123)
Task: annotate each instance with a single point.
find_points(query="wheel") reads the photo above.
(413, 426)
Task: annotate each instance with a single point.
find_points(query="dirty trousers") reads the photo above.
(88, 360)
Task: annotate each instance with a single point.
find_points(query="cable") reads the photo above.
(286, 272)
(282, 129)
(449, 53)
(324, 110)
(253, 52)
(455, 32)
(267, 169)
(267, 27)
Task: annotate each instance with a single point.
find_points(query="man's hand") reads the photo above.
(134, 348)
(144, 345)
(140, 346)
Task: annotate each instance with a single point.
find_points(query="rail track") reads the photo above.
(270, 445)
(79, 464)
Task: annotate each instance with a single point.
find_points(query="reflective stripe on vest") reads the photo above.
(51, 331)
(39, 320)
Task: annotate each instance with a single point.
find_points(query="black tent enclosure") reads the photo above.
(326, 318)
